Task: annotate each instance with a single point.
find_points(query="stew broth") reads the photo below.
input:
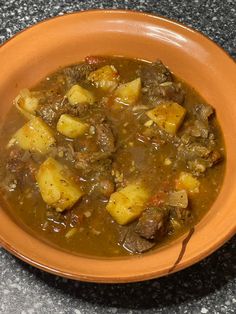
(141, 176)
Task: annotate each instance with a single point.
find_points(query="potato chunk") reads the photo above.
(106, 78)
(128, 203)
(70, 126)
(77, 95)
(26, 103)
(56, 185)
(128, 93)
(35, 135)
(187, 182)
(168, 116)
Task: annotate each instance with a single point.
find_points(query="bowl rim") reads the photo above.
(123, 11)
(149, 274)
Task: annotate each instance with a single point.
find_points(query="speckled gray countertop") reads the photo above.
(207, 287)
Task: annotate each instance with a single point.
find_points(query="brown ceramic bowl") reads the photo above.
(39, 50)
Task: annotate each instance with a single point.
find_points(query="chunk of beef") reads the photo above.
(158, 84)
(156, 93)
(192, 151)
(66, 152)
(198, 144)
(198, 157)
(200, 165)
(198, 129)
(215, 157)
(96, 165)
(152, 225)
(77, 73)
(154, 72)
(105, 137)
(78, 110)
(134, 243)
(203, 111)
(181, 215)
(171, 91)
(14, 163)
(50, 112)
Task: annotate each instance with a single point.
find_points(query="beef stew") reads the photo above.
(111, 157)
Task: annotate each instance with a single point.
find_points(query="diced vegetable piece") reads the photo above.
(35, 135)
(56, 185)
(77, 95)
(187, 182)
(178, 199)
(128, 93)
(106, 78)
(26, 103)
(168, 116)
(128, 203)
(70, 126)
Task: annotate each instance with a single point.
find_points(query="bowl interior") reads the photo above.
(42, 49)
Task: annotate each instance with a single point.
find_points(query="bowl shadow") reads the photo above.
(193, 283)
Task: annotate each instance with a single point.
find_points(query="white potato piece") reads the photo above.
(35, 135)
(106, 78)
(128, 93)
(128, 203)
(56, 185)
(70, 126)
(77, 95)
(26, 103)
(168, 115)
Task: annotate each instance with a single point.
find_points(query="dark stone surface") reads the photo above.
(214, 18)
(207, 287)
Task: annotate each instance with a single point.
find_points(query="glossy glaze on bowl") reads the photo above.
(34, 53)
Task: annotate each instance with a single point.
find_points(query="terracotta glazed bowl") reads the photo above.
(41, 49)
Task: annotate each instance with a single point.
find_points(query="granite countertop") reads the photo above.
(207, 287)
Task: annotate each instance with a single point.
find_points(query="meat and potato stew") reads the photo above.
(111, 157)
